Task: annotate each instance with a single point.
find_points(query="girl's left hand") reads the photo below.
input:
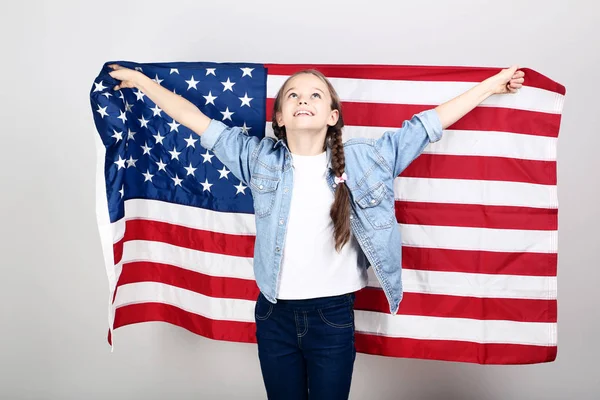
(509, 80)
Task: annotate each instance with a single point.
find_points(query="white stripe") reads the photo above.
(470, 191)
(462, 329)
(470, 143)
(417, 327)
(474, 285)
(207, 263)
(210, 307)
(429, 93)
(187, 216)
(484, 239)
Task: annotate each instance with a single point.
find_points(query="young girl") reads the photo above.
(324, 213)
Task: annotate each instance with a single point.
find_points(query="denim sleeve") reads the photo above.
(232, 147)
(401, 146)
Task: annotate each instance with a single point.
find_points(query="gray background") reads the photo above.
(54, 288)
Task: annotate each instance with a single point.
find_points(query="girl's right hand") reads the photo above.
(125, 75)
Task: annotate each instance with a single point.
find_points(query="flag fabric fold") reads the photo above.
(478, 210)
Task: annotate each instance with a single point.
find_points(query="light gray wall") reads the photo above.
(54, 288)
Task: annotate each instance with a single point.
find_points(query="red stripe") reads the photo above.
(232, 331)
(369, 344)
(451, 350)
(415, 73)
(477, 261)
(480, 118)
(118, 251)
(371, 299)
(437, 305)
(212, 286)
(476, 215)
(482, 168)
(197, 239)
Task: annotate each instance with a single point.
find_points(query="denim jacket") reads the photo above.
(265, 166)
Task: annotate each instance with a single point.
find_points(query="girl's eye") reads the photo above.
(292, 94)
(317, 94)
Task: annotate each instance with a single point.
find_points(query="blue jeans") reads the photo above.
(306, 347)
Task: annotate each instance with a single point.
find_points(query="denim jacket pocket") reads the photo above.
(263, 192)
(378, 206)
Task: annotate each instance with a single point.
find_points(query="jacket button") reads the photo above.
(260, 186)
(352, 217)
(333, 185)
(281, 221)
(372, 201)
(277, 249)
(285, 189)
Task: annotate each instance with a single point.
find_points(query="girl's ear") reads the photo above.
(279, 118)
(333, 117)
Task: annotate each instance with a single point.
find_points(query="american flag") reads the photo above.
(478, 210)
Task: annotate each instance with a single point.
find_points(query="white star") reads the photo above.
(177, 180)
(227, 114)
(130, 134)
(146, 148)
(128, 106)
(207, 157)
(121, 96)
(247, 71)
(158, 138)
(240, 188)
(161, 165)
(144, 122)
(190, 170)
(245, 128)
(99, 87)
(174, 153)
(107, 94)
(122, 191)
(157, 80)
(156, 110)
(102, 111)
(139, 69)
(210, 98)
(192, 83)
(117, 135)
(190, 141)
(174, 125)
(122, 116)
(139, 95)
(228, 85)
(223, 173)
(205, 185)
(120, 162)
(148, 176)
(131, 162)
(210, 71)
(245, 100)
(174, 70)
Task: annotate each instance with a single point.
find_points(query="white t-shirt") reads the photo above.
(311, 267)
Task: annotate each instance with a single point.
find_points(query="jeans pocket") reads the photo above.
(262, 309)
(340, 316)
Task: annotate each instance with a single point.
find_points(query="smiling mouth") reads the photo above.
(301, 113)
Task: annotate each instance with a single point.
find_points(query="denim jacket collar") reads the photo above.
(283, 142)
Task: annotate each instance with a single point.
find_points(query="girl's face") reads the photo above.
(306, 105)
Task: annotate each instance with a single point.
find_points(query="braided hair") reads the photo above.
(340, 209)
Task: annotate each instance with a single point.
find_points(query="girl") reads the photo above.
(324, 213)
